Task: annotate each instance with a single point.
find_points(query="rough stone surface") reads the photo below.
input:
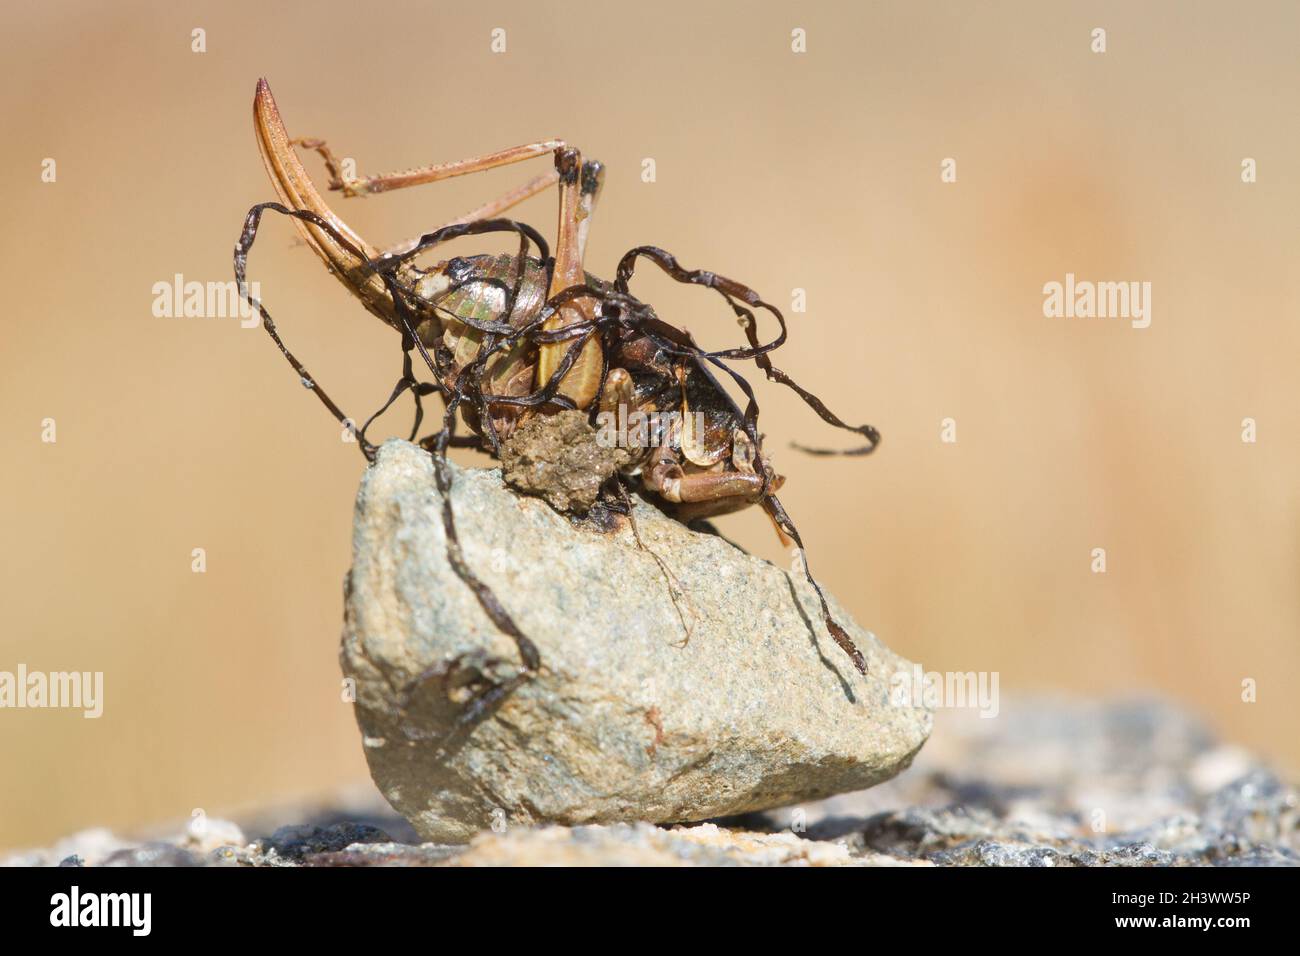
(629, 720)
(1023, 789)
(1076, 783)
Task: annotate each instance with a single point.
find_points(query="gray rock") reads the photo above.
(296, 844)
(156, 853)
(1065, 782)
(88, 847)
(640, 844)
(630, 718)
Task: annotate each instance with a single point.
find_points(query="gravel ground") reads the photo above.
(1046, 783)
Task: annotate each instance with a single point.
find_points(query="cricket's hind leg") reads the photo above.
(352, 186)
(580, 185)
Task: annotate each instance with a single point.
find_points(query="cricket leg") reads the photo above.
(485, 701)
(387, 182)
(489, 210)
(723, 491)
(579, 188)
(352, 186)
(345, 253)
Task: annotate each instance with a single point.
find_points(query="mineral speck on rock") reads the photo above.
(625, 721)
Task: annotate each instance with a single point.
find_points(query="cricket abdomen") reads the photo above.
(477, 289)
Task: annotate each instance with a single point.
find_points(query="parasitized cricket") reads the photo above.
(516, 342)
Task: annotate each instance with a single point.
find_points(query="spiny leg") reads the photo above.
(733, 291)
(579, 189)
(670, 481)
(379, 282)
(420, 175)
(387, 182)
(242, 248)
(489, 210)
(485, 702)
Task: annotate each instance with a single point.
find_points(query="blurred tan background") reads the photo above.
(818, 171)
